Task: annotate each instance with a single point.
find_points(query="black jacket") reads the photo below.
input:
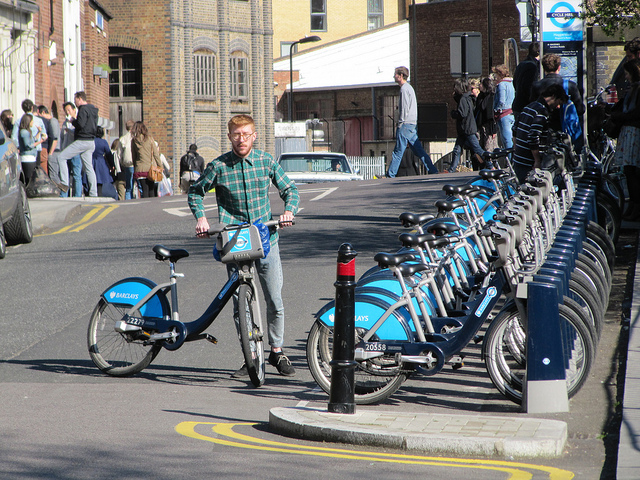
(527, 72)
(86, 122)
(464, 115)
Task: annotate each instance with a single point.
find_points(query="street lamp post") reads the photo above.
(313, 38)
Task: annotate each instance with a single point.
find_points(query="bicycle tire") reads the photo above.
(507, 370)
(589, 299)
(599, 235)
(375, 380)
(611, 186)
(251, 338)
(609, 216)
(114, 353)
(594, 254)
(591, 274)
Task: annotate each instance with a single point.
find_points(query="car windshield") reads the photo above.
(317, 163)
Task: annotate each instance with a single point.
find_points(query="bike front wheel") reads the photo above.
(117, 354)
(251, 334)
(376, 379)
(504, 352)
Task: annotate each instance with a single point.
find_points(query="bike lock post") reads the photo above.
(341, 395)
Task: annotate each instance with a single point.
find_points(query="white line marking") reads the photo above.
(322, 195)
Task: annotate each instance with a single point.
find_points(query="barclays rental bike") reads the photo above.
(135, 318)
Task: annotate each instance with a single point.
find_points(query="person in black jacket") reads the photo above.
(86, 127)
(465, 93)
(527, 72)
(626, 114)
(191, 167)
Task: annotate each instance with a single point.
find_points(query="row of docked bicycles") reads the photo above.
(467, 269)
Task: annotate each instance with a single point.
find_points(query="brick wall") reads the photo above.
(435, 21)
(96, 53)
(49, 61)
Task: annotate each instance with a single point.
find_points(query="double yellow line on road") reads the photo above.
(97, 213)
(514, 470)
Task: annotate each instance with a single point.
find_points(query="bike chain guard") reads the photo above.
(180, 330)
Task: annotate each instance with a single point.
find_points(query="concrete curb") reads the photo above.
(433, 433)
(50, 212)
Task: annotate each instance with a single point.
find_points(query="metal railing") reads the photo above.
(368, 167)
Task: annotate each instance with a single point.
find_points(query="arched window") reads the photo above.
(239, 82)
(205, 74)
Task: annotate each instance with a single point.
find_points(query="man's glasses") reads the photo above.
(237, 136)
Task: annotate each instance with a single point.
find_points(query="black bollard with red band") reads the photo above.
(341, 395)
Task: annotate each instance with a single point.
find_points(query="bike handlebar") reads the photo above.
(220, 227)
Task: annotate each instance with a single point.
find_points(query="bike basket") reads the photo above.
(238, 245)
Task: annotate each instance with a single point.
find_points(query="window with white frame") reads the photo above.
(239, 67)
(319, 15)
(375, 10)
(205, 74)
(99, 20)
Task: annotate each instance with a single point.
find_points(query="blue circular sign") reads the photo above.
(567, 17)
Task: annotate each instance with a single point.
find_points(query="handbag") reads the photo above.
(155, 173)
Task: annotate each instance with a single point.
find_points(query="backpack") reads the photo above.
(570, 118)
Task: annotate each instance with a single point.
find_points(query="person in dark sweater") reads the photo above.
(86, 126)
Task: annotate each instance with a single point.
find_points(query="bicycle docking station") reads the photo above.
(343, 364)
(548, 344)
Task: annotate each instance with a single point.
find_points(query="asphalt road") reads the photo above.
(64, 419)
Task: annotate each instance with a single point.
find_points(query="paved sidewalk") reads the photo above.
(434, 433)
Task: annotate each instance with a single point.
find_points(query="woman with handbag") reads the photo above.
(146, 160)
(627, 116)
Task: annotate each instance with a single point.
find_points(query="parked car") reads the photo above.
(15, 215)
(313, 167)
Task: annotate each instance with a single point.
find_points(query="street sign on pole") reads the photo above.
(466, 54)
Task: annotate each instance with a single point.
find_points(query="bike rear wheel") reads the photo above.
(251, 335)
(117, 354)
(375, 379)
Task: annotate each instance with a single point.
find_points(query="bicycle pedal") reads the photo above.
(456, 362)
(209, 338)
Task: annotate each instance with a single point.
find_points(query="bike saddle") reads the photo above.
(498, 153)
(448, 205)
(164, 253)
(386, 259)
(486, 174)
(458, 189)
(409, 219)
(408, 269)
(442, 228)
(413, 240)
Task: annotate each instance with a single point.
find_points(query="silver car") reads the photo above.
(15, 215)
(314, 167)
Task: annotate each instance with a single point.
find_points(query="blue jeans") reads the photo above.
(271, 280)
(469, 141)
(75, 164)
(407, 133)
(505, 127)
(128, 183)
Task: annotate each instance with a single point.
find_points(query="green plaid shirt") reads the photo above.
(242, 188)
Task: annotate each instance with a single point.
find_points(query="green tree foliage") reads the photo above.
(613, 16)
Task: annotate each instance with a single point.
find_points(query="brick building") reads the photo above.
(430, 62)
(186, 67)
(331, 20)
